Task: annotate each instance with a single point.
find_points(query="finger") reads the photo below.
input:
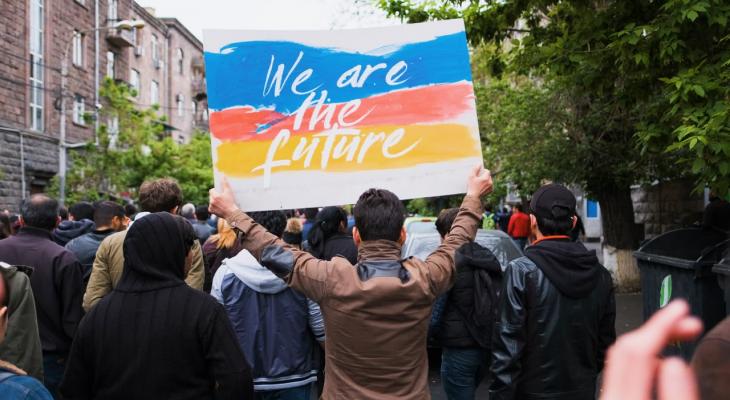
(657, 331)
(475, 171)
(676, 381)
(226, 185)
(687, 329)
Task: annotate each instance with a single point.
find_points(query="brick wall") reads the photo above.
(666, 206)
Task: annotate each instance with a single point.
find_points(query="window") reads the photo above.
(36, 66)
(154, 48)
(134, 81)
(154, 93)
(591, 209)
(78, 111)
(113, 131)
(110, 61)
(112, 15)
(194, 107)
(180, 105)
(78, 49)
(180, 60)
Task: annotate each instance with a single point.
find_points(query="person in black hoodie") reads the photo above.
(328, 236)
(465, 324)
(557, 311)
(154, 337)
(80, 222)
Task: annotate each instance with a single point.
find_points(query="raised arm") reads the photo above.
(299, 269)
(441, 262)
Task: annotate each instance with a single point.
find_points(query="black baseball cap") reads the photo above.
(553, 201)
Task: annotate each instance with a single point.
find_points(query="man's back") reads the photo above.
(376, 313)
(56, 282)
(557, 320)
(85, 247)
(261, 307)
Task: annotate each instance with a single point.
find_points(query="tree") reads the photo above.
(134, 150)
(601, 63)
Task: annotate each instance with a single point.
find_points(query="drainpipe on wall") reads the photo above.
(22, 165)
(96, 72)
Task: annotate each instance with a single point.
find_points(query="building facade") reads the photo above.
(37, 37)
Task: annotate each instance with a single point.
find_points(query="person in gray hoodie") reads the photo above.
(277, 327)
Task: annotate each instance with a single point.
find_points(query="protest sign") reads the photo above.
(314, 118)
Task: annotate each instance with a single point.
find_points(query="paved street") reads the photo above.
(628, 317)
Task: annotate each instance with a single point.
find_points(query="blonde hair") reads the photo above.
(294, 225)
(226, 236)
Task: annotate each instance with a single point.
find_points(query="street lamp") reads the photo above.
(126, 25)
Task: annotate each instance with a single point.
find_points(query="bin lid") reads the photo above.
(685, 244)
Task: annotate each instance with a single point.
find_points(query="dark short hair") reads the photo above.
(160, 195)
(106, 211)
(445, 220)
(555, 226)
(40, 211)
(63, 213)
(201, 213)
(379, 215)
(273, 221)
(519, 207)
(82, 210)
(311, 213)
(130, 210)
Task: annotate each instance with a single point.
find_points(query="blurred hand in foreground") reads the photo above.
(634, 367)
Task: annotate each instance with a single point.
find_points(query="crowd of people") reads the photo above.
(184, 302)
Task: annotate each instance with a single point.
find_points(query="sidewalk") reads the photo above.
(628, 317)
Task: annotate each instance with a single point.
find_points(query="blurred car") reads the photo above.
(420, 225)
(422, 244)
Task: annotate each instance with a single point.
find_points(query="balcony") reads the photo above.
(198, 86)
(201, 124)
(198, 64)
(120, 37)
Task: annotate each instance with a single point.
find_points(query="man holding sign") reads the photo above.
(377, 312)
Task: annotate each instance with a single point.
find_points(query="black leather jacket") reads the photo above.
(549, 345)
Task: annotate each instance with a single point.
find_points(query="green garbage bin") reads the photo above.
(678, 264)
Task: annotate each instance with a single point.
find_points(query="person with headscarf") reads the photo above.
(153, 336)
(328, 237)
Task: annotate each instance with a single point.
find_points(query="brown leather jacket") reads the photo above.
(376, 313)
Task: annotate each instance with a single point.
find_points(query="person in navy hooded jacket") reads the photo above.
(278, 328)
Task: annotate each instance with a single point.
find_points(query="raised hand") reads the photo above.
(479, 182)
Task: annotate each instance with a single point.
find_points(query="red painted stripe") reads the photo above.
(406, 107)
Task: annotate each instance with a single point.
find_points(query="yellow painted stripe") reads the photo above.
(372, 148)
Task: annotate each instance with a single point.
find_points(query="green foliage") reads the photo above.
(139, 150)
(638, 78)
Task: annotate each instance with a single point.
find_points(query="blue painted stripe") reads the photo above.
(236, 76)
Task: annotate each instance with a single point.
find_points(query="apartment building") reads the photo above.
(37, 37)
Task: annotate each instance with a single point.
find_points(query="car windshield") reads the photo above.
(421, 227)
(422, 245)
